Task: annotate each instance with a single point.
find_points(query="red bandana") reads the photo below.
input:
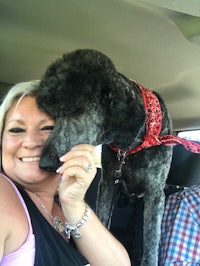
(153, 127)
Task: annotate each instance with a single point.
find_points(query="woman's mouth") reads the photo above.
(30, 159)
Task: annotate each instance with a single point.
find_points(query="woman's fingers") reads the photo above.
(78, 171)
(79, 157)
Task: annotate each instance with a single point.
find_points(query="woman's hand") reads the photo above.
(77, 172)
(76, 177)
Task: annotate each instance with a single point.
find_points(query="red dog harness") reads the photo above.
(153, 126)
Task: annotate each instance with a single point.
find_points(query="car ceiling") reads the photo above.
(155, 42)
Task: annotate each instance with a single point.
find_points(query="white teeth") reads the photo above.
(30, 159)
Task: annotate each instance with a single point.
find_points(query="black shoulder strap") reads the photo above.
(51, 248)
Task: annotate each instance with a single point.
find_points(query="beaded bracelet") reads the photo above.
(68, 228)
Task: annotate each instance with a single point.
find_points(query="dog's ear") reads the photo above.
(122, 94)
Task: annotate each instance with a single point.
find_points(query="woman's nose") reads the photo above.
(32, 140)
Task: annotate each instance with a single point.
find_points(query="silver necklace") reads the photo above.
(56, 220)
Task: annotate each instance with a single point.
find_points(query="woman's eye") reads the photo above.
(48, 128)
(16, 130)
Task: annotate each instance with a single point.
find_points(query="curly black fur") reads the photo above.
(93, 103)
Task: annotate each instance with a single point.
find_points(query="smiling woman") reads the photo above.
(54, 224)
(23, 138)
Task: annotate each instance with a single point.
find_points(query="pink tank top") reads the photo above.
(25, 254)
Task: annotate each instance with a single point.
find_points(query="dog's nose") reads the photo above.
(49, 165)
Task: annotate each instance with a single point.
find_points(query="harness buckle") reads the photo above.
(118, 172)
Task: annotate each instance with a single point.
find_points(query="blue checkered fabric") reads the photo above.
(180, 239)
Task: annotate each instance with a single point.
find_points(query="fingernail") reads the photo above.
(59, 169)
(61, 159)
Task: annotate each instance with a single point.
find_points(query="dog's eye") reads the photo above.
(16, 130)
(48, 128)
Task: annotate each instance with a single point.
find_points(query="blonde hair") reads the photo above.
(18, 91)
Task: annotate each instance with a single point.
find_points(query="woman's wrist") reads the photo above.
(74, 212)
(74, 228)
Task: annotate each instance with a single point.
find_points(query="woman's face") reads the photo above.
(26, 130)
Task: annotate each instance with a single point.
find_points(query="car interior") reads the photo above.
(155, 42)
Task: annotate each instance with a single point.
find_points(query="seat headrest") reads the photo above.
(185, 168)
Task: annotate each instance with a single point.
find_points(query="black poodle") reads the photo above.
(93, 103)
